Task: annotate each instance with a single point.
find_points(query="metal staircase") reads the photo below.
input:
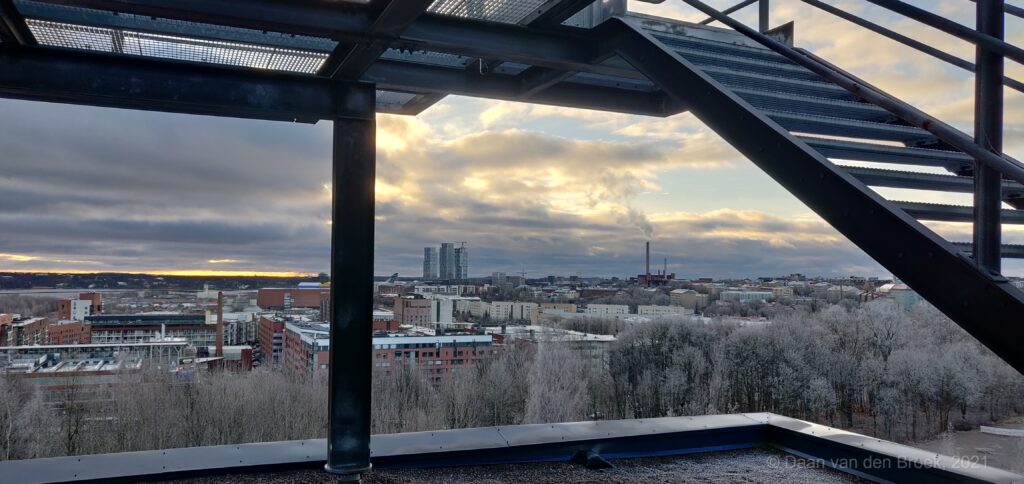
(798, 126)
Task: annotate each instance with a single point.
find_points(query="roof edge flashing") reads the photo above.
(526, 443)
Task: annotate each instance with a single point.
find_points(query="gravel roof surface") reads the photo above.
(744, 466)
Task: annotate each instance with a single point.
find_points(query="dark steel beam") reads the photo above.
(350, 60)
(404, 76)
(554, 12)
(536, 79)
(354, 167)
(12, 25)
(568, 50)
(907, 41)
(953, 28)
(1007, 251)
(988, 133)
(987, 307)
(729, 10)
(574, 51)
(109, 80)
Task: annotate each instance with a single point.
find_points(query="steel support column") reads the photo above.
(764, 15)
(988, 133)
(348, 444)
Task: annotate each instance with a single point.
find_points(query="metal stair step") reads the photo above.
(738, 79)
(858, 151)
(926, 181)
(1008, 251)
(745, 64)
(953, 213)
(736, 50)
(797, 103)
(850, 128)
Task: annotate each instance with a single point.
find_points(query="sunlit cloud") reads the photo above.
(17, 257)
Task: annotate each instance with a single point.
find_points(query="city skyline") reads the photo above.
(530, 187)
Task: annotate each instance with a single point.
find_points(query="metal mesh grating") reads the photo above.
(426, 57)
(392, 101)
(505, 11)
(164, 26)
(73, 36)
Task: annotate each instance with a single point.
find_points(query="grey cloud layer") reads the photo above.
(99, 189)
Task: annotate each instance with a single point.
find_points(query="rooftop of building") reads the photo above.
(142, 319)
(546, 333)
(753, 447)
(166, 342)
(751, 465)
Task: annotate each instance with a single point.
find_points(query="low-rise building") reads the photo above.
(746, 296)
(651, 310)
(307, 351)
(433, 356)
(68, 332)
(782, 292)
(6, 321)
(292, 298)
(413, 310)
(27, 331)
(511, 310)
(307, 348)
(198, 329)
(271, 339)
(442, 309)
(558, 306)
(594, 347)
(240, 328)
(904, 297)
(384, 320)
(87, 304)
(606, 309)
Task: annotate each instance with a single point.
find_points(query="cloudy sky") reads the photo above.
(541, 189)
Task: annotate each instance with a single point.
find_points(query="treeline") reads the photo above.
(898, 375)
(28, 306)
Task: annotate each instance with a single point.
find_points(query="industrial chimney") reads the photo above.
(220, 325)
(648, 262)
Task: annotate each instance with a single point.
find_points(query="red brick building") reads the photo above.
(271, 338)
(306, 348)
(413, 311)
(6, 321)
(26, 332)
(307, 351)
(433, 356)
(393, 289)
(237, 358)
(90, 303)
(384, 321)
(68, 333)
(289, 298)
